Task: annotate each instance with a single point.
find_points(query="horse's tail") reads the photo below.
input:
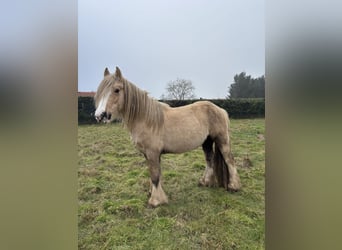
(220, 168)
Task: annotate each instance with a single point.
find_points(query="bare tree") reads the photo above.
(179, 89)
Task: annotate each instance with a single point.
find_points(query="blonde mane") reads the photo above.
(137, 106)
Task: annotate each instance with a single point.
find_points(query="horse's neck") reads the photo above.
(137, 128)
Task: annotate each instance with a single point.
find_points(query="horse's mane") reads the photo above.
(137, 106)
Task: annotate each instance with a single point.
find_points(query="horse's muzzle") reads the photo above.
(105, 117)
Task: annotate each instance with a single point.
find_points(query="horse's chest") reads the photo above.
(146, 143)
(138, 143)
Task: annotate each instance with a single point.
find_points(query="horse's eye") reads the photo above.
(117, 90)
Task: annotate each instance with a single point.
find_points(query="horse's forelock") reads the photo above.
(104, 87)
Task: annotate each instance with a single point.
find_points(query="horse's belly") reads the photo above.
(184, 129)
(182, 140)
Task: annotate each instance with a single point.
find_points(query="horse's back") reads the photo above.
(208, 111)
(204, 111)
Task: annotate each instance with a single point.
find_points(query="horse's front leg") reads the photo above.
(158, 196)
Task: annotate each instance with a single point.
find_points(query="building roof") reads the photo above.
(86, 94)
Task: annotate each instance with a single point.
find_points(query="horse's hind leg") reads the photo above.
(208, 178)
(223, 143)
(158, 196)
(225, 148)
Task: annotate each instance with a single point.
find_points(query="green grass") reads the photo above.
(113, 194)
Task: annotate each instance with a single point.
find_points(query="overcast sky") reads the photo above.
(156, 41)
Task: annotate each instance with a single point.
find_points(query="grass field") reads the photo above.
(113, 194)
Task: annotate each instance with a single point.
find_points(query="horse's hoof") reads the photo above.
(231, 190)
(153, 203)
(201, 183)
(233, 187)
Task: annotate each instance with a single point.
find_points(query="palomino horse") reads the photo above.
(157, 129)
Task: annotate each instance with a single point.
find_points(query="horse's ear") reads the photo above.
(118, 73)
(106, 72)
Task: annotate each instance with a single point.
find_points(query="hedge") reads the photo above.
(237, 108)
(86, 110)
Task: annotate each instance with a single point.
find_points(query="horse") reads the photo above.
(156, 129)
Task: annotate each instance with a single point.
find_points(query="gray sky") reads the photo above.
(156, 41)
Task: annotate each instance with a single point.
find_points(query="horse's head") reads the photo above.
(109, 96)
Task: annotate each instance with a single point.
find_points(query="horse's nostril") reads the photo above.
(109, 116)
(98, 118)
(103, 115)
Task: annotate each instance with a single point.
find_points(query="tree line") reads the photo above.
(244, 86)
